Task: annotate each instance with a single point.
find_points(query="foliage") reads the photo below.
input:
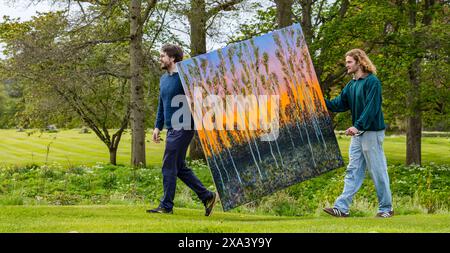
(60, 73)
(11, 103)
(380, 28)
(416, 189)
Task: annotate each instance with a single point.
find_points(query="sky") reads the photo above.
(24, 9)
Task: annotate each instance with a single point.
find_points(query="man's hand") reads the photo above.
(156, 137)
(351, 131)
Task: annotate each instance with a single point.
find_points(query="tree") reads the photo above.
(138, 16)
(63, 76)
(418, 42)
(11, 101)
(201, 15)
(284, 13)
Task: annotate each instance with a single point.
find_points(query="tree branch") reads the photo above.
(225, 6)
(150, 6)
(319, 18)
(116, 136)
(109, 73)
(159, 29)
(106, 41)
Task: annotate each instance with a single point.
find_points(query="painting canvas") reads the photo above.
(260, 115)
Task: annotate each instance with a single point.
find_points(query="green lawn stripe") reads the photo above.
(134, 219)
(17, 147)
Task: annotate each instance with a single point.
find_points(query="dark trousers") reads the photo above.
(174, 165)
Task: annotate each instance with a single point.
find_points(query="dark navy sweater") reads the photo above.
(169, 87)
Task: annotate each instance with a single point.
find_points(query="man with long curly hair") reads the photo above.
(362, 96)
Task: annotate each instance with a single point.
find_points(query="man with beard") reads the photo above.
(362, 96)
(178, 137)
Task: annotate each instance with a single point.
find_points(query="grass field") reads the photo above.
(69, 147)
(133, 218)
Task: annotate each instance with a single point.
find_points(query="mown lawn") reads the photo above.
(69, 147)
(434, 149)
(133, 218)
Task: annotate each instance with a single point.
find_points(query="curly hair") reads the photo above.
(361, 57)
(173, 51)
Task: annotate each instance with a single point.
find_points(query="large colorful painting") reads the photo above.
(260, 115)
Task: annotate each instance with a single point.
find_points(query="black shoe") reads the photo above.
(385, 214)
(160, 210)
(210, 203)
(335, 212)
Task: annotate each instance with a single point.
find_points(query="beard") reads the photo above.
(351, 71)
(164, 66)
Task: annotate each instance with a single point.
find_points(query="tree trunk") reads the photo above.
(414, 118)
(195, 149)
(343, 9)
(284, 12)
(113, 156)
(307, 7)
(197, 21)
(198, 16)
(137, 86)
(414, 140)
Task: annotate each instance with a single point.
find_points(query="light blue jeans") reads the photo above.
(366, 150)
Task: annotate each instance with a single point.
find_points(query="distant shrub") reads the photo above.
(51, 129)
(11, 200)
(84, 130)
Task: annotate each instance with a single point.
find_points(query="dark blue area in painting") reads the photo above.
(300, 160)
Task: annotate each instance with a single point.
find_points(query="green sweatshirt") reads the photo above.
(363, 98)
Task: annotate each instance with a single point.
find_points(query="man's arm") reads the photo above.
(373, 105)
(159, 123)
(340, 103)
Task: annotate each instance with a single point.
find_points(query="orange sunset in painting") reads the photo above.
(268, 127)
